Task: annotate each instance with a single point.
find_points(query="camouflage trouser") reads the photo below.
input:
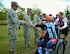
(13, 39)
(37, 35)
(26, 37)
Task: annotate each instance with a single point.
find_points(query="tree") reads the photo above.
(20, 12)
(1, 7)
(3, 12)
(67, 12)
(34, 9)
(33, 13)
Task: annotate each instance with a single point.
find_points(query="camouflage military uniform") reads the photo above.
(13, 22)
(37, 31)
(27, 29)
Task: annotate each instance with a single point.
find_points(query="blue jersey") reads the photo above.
(51, 30)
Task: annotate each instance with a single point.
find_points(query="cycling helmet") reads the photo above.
(48, 18)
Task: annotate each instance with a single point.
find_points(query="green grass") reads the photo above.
(4, 41)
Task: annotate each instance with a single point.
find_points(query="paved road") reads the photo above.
(68, 48)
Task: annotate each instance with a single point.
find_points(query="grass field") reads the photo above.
(4, 41)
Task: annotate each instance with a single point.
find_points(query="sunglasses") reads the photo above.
(16, 6)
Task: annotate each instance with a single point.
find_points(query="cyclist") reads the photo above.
(49, 36)
(62, 22)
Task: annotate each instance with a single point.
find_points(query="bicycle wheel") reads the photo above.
(64, 45)
(59, 47)
(53, 50)
(36, 52)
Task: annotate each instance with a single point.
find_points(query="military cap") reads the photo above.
(29, 9)
(38, 10)
(14, 3)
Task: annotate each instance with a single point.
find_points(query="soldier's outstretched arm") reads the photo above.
(20, 22)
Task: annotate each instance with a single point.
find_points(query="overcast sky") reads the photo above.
(46, 6)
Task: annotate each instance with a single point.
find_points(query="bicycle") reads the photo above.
(60, 46)
(52, 51)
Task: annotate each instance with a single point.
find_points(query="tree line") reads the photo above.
(21, 11)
